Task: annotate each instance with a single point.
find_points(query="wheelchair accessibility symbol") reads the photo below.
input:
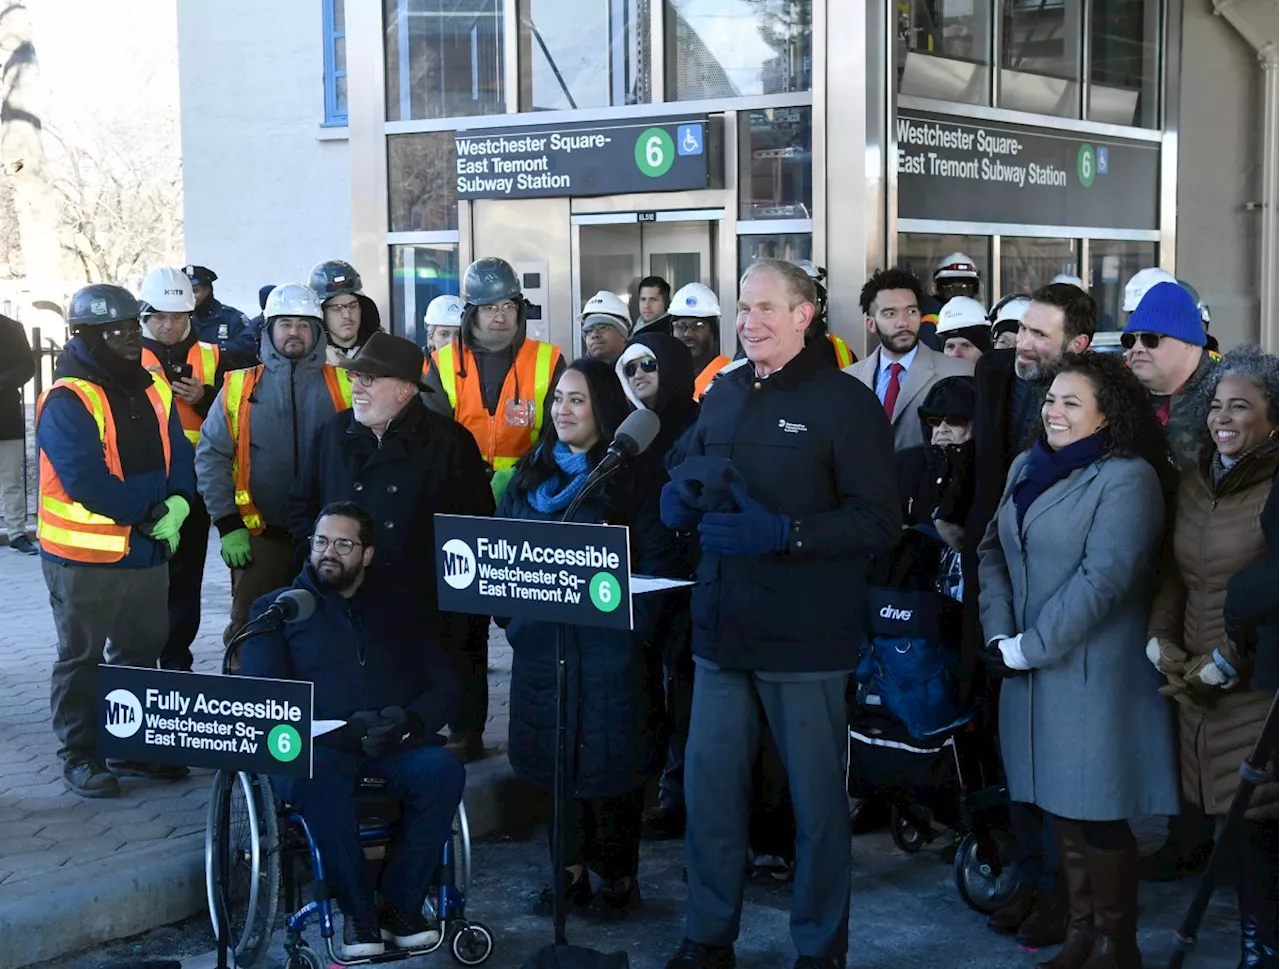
(689, 139)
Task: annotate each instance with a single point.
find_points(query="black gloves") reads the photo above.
(395, 727)
(993, 659)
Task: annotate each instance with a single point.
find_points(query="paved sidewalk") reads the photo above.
(56, 845)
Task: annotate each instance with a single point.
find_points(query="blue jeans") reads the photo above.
(429, 780)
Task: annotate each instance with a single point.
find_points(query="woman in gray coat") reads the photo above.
(1066, 569)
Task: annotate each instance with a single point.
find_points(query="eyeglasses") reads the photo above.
(342, 309)
(1149, 340)
(342, 546)
(364, 379)
(648, 365)
(688, 326)
(505, 308)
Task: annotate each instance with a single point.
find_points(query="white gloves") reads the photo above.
(1011, 651)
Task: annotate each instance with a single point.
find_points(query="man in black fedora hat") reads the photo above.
(403, 463)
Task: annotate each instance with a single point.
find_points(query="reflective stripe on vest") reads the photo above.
(709, 373)
(236, 401)
(844, 356)
(501, 444)
(203, 360)
(67, 528)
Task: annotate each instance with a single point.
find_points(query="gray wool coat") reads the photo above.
(1084, 735)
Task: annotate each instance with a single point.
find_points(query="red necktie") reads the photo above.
(891, 392)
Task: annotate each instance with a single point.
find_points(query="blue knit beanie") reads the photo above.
(263, 293)
(1169, 310)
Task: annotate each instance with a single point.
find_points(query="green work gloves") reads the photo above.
(170, 523)
(498, 483)
(235, 549)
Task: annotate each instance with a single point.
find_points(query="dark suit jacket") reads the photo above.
(17, 366)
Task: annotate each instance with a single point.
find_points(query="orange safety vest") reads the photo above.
(844, 356)
(67, 528)
(708, 374)
(237, 393)
(500, 444)
(203, 358)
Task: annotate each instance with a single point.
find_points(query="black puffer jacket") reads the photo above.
(614, 697)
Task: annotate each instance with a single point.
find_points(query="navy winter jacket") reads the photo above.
(368, 652)
(68, 436)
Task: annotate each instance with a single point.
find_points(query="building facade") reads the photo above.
(594, 142)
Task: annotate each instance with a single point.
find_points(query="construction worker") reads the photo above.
(605, 327)
(1006, 318)
(963, 328)
(350, 317)
(193, 371)
(836, 352)
(955, 275)
(443, 321)
(216, 322)
(1210, 341)
(695, 322)
(495, 381)
(116, 484)
(252, 444)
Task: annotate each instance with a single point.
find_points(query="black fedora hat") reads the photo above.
(385, 355)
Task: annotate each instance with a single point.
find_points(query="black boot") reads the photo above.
(1080, 934)
(1258, 889)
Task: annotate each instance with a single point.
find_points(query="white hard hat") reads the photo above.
(959, 313)
(293, 299)
(1070, 280)
(1011, 309)
(167, 290)
(956, 266)
(812, 270)
(607, 303)
(1140, 282)
(444, 311)
(694, 299)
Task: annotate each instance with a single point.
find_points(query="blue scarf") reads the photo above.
(545, 498)
(1046, 467)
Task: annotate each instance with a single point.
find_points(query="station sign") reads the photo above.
(588, 158)
(561, 572)
(238, 723)
(954, 169)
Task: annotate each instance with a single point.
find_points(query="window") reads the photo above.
(1040, 44)
(1111, 263)
(443, 58)
(776, 164)
(583, 54)
(947, 48)
(1028, 264)
(335, 63)
(735, 48)
(1124, 58)
(921, 253)
(422, 185)
(791, 246)
(420, 273)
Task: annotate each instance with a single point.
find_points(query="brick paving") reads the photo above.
(43, 826)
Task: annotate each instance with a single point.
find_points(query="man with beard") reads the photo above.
(403, 463)
(1061, 318)
(695, 322)
(901, 370)
(253, 441)
(375, 664)
(115, 487)
(216, 322)
(350, 317)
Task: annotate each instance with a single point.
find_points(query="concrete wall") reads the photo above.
(1219, 165)
(266, 194)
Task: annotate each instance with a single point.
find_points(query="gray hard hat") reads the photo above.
(100, 304)
(489, 280)
(333, 277)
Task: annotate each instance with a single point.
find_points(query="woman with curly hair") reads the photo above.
(1066, 569)
(1216, 534)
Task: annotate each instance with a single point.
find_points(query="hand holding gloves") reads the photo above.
(677, 505)
(169, 524)
(1203, 676)
(235, 549)
(380, 733)
(754, 530)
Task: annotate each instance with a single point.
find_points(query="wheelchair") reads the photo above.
(271, 855)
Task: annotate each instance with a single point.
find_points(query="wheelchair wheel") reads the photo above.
(906, 835)
(472, 944)
(986, 870)
(304, 957)
(250, 887)
(462, 851)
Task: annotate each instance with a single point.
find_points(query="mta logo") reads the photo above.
(123, 713)
(459, 563)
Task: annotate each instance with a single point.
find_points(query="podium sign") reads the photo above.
(236, 723)
(561, 572)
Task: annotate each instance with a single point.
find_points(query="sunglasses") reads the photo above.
(1149, 340)
(648, 366)
(949, 421)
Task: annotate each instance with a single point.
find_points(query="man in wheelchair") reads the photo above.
(375, 665)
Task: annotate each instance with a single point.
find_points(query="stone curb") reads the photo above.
(135, 891)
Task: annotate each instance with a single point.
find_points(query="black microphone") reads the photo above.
(634, 435)
(292, 605)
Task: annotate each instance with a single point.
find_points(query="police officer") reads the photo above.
(836, 351)
(253, 441)
(350, 317)
(194, 371)
(495, 381)
(116, 484)
(443, 321)
(695, 322)
(216, 322)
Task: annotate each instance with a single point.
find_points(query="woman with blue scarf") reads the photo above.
(614, 677)
(1066, 574)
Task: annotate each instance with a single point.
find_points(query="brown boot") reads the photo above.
(1014, 912)
(1078, 944)
(1047, 923)
(1114, 876)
